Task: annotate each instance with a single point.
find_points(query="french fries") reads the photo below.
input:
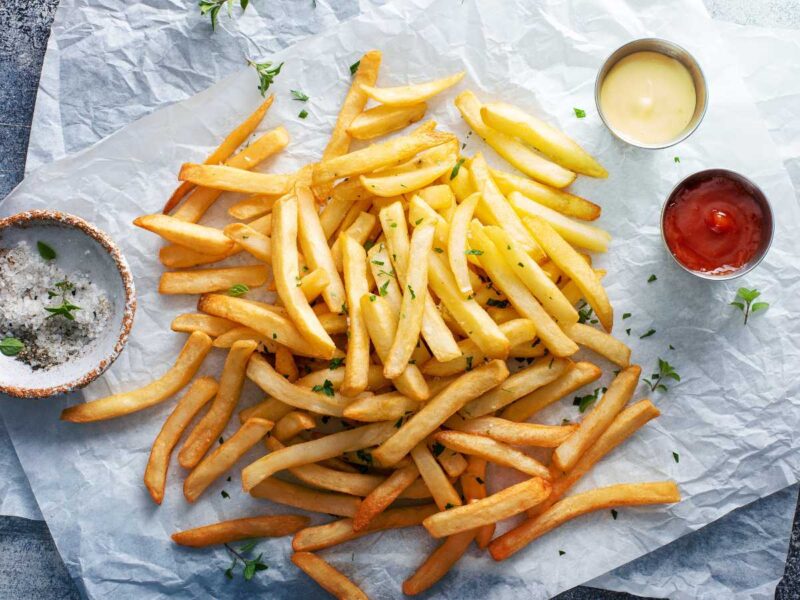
(220, 177)
(383, 119)
(438, 563)
(513, 433)
(457, 243)
(211, 326)
(298, 496)
(444, 494)
(205, 281)
(382, 496)
(240, 529)
(251, 241)
(189, 360)
(493, 451)
(623, 494)
(409, 95)
(207, 240)
(354, 264)
(329, 579)
(600, 342)
(473, 484)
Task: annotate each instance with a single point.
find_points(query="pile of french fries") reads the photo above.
(405, 276)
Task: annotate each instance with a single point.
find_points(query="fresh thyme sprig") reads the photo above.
(747, 306)
(665, 371)
(66, 307)
(266, 74)
(251, 565)
(212, 8)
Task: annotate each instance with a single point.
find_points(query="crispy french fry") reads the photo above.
(312, 285)
(224, 457)
(477, 324)
(211, 280)
(382, 496)
(315, 247)
(409, 95)
(438, 563)
(473, 484)
(340, 531)
(213, 423)
(353, 104)
(438, 409)
(230, 179)
(343, 196)
(385, 280)
(314, 451)
(506, 280)
(358, 230)
(457, 243)
(575, 377)
(388, 185)
(239, 333)
(412, 306)
(453, 463)
(383, 154)
(197, 396)
(564, 202)
(511, 432)
(600, 342)
(493, 451)
(207, 240)
(211, 326)
(336, 375)
(329, 579)
(438, 197)
(514, 151)
(383, 119)
(222, 152)
(240, 529)
(270, 409)
(460, 181)
(443, 492)
(598, 419)
(189, 360)
(571, 263)
(548, 140)
(305, 498)
(384, 407)
(543, 371)
(502, 505)
(354, 265)
(285, 365)
(251, 241)
(252, 207)
(285, 271)
(622, 494)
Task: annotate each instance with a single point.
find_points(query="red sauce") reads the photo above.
(716, 225)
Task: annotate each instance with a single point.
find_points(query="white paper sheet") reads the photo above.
(550, 87)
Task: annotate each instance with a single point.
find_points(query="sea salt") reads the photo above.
(28, 285)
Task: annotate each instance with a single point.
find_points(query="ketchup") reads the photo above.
(714, 225)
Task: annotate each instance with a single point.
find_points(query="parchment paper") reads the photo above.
(710, 494)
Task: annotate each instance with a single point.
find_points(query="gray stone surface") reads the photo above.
(30, 566)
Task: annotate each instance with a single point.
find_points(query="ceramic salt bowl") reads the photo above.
(80, 248)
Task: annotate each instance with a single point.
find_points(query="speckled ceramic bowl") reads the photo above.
(81, 247)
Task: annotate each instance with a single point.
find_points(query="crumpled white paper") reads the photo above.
(734, 446)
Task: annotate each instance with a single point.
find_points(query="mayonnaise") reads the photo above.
(648, 97)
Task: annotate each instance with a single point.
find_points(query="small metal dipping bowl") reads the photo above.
(673, 51)
(760, 198)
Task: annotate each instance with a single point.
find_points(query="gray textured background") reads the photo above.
(30, 566)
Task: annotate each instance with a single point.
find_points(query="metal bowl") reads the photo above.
(761, 199)
(673, 51)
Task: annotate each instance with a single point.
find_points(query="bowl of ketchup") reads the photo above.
(717, 224)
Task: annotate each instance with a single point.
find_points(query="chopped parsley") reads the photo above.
(579, 112)
(326, 388)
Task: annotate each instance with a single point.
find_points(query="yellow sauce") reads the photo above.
(648, 97)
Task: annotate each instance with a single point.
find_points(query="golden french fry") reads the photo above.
(376, 156)
(211, 280)
(207, 240)
(453, 463)
(571, 290)
(564, 202)
(240, 529)
(329, 579)
(502, 505)
(576, 376)
(505, 278)
(600, 342)
(477, 324)
(314, 451)
(251, 241)
(340, 531)
(285, 271)
(354, 265)
(514, 151)
(383, 407)
(342, 198)
(622, 494)
(299, 496)
(598, 419)
(221, 153)
(155, 475)
(293, 424)
(473, 484)
(571, 263)
(189, 360)
(213, 423)
(438, 409)
(285, 365)
(408, 95)
(388, 185)
(382, 496)
(224, 457)
(511, 432)
(230, 179)
(457, 243)
(252, 207)
(384, 276)
(270, 409)
(443, 492)
(336, 375)
(460, 181)
(412, 306)
(548, 140)
(438, 563)
(543, 371)
(358, 230)
(312, 285)
(353, 104)
(383, 119)
(493, 451)
(211, 326)
(438, 197)
(239, 333)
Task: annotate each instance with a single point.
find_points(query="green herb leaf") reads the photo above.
(665, 371)
(497, 303)
(473, 252)
(326, 388)
(676, 457)
(45, 251)
(652, 278)
(748, 306)
(456, 169)
(437, 448)
(225, 494)
(364, 456)
(469, 363)
(579, 112)
(298, 95)
(266, 74)
(411, 291)
(384, 289)
(64, 310)
(647, 334)
(238, 290)
(212, 8)
(561, 553)
(614, 514)
(11, 346)
(335, 363)
(626, 316)
(438, 250)
(354, 67)
(303, 114)
(448, 506)
(248, 546)
(677, 159)
(759, 306)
